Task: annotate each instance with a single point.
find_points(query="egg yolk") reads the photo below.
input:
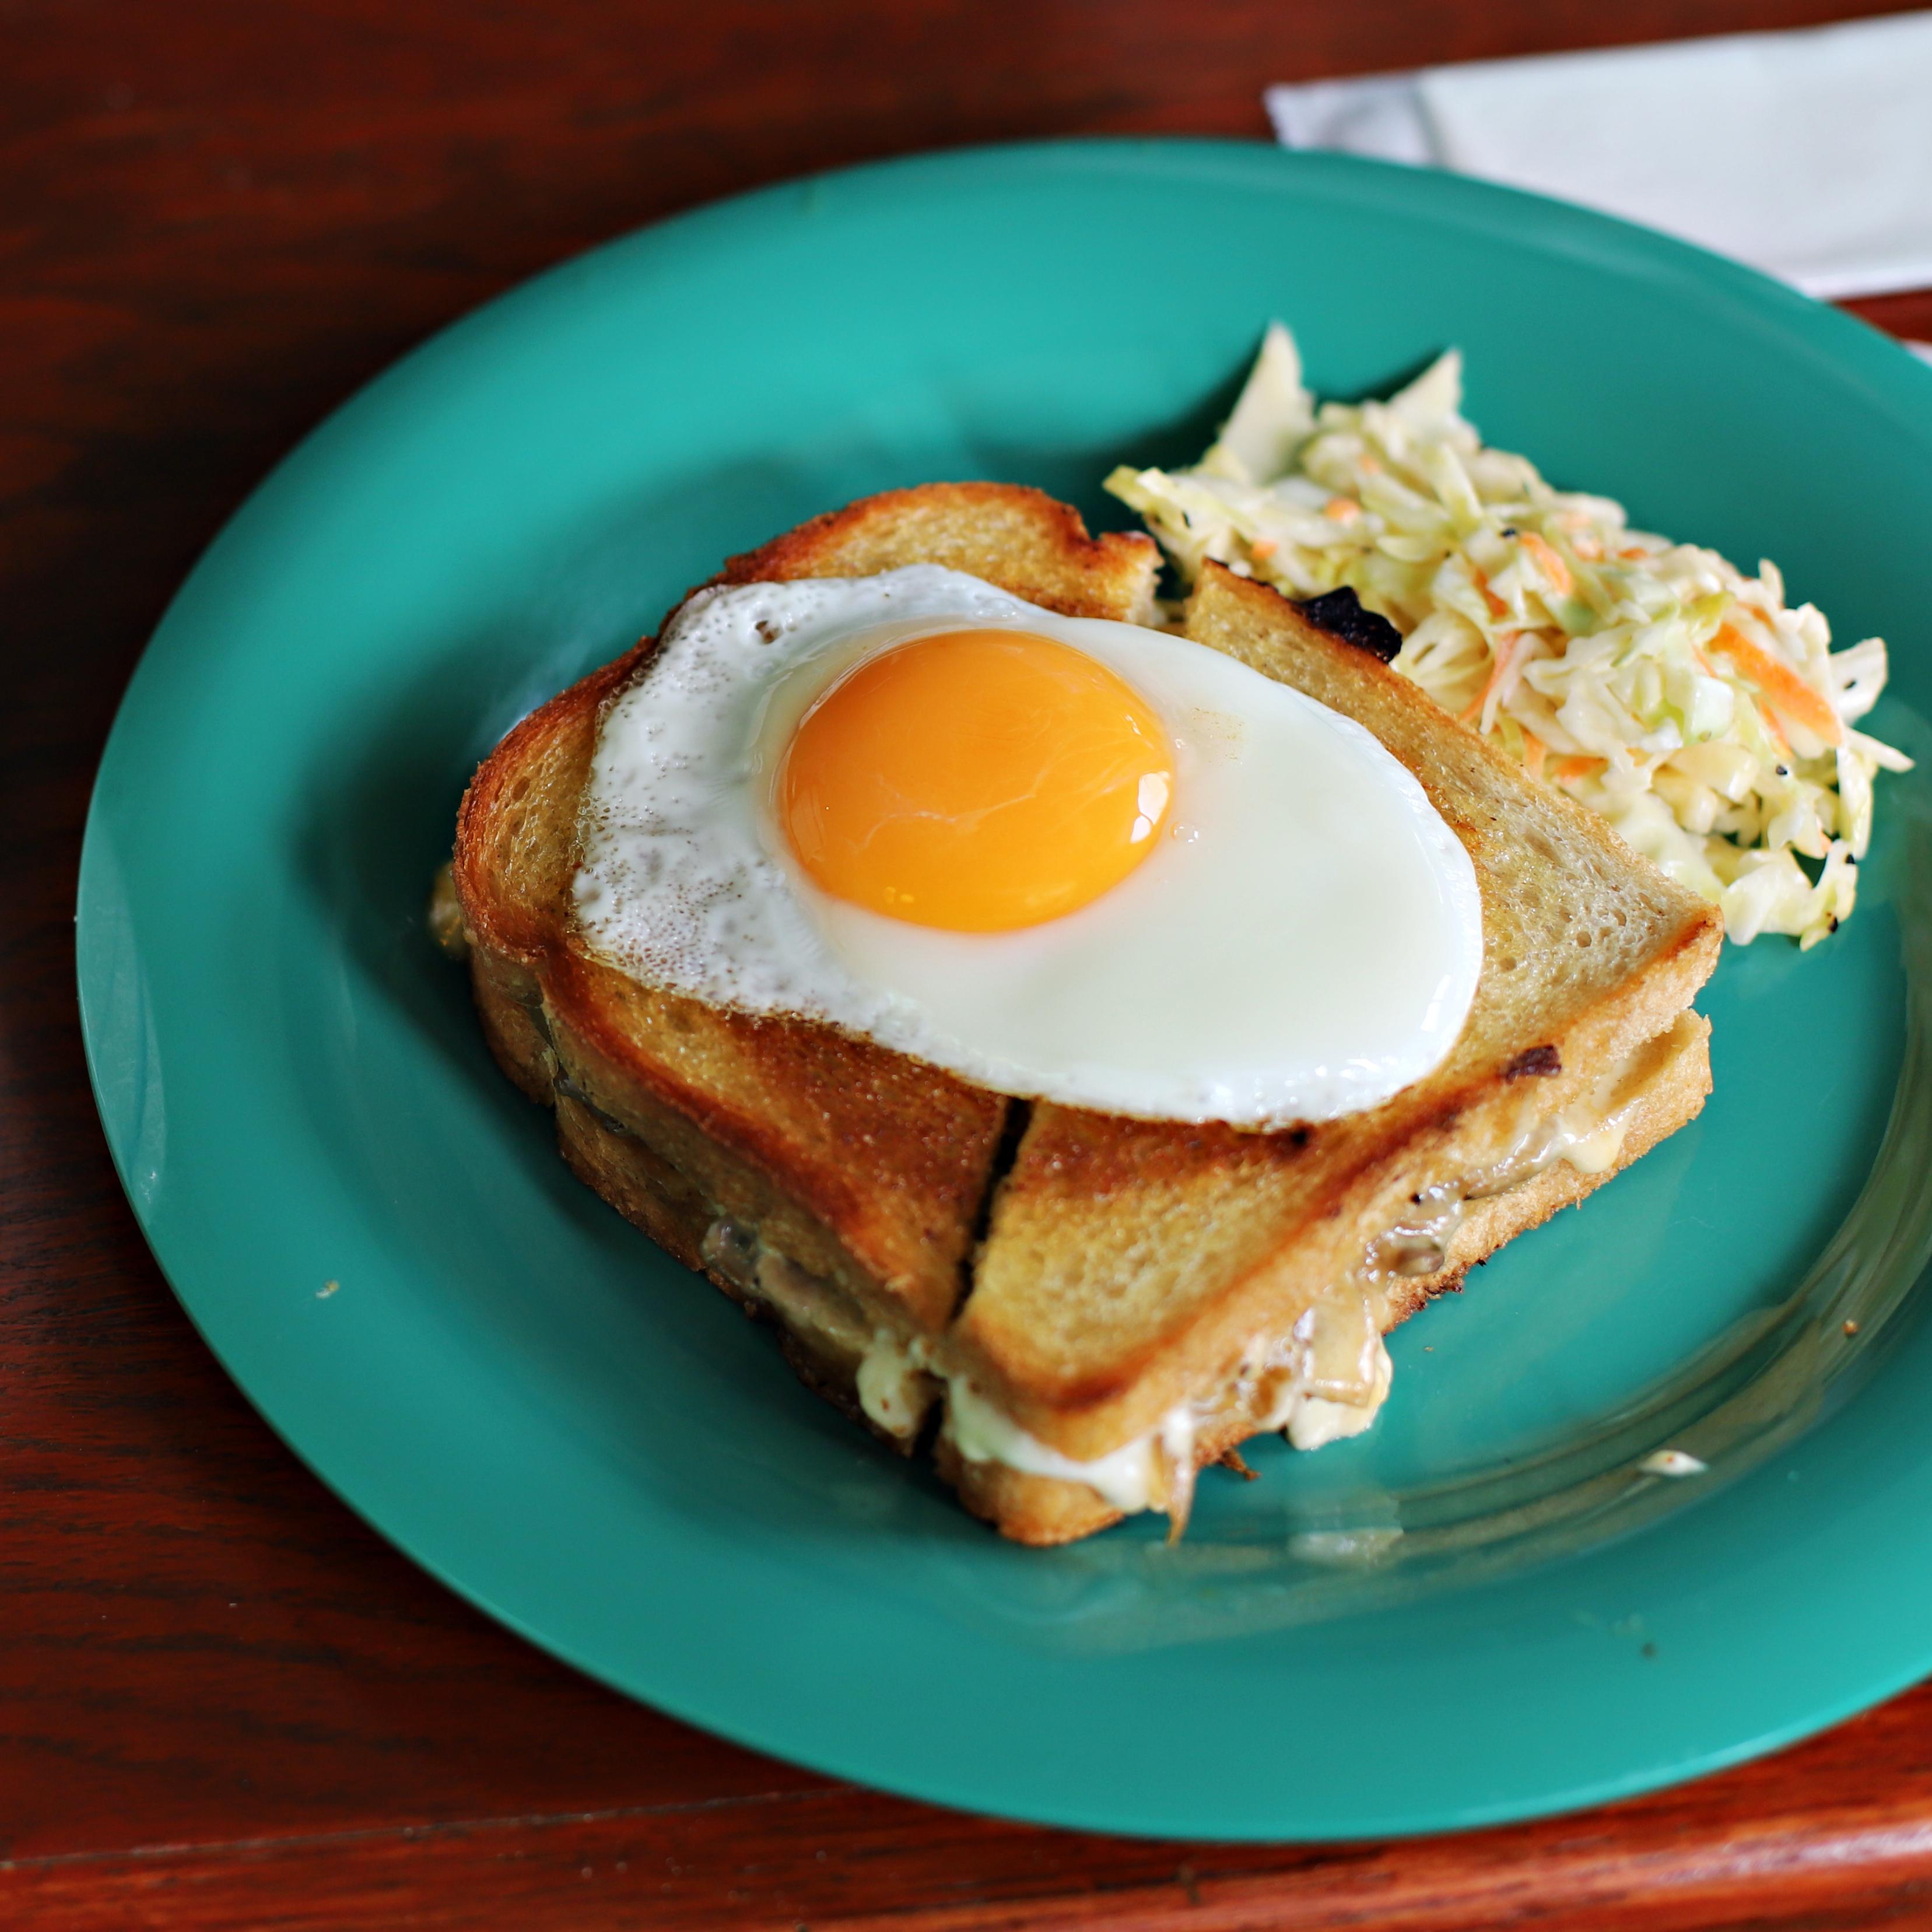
(976, 780)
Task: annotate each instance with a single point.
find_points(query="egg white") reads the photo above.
(1303, 941)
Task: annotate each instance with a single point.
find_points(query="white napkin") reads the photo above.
(1808, 154)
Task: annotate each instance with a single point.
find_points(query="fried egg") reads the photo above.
(1062, 858)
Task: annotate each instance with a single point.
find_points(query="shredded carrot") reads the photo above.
(1576, 768)
(1262, 550)
(1631, 556)
(1781, 685)
(1509, 648)
(1498, 608)
(1371, 466)
(1588, 549)
(1553, 567)
(1342, 509)
(1534, 751)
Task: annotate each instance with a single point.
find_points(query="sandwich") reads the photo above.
(1081, 1273)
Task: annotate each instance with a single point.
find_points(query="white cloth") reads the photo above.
(1808, 154)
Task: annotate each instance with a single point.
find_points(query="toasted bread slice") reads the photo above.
(1129, 1269)
(1107, 1291)
(805, 1172)
(1127, 1264)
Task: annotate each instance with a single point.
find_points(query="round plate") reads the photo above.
(1482, 1610)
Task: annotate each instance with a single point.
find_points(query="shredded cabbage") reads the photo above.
(1653, 681)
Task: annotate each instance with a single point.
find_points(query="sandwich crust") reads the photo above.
(1095, 1271)
(1022, 540)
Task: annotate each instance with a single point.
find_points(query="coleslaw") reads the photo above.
(1712, 725)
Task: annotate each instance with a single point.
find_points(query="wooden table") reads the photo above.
(226, 1703)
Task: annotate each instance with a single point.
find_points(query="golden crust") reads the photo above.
(1021, 539)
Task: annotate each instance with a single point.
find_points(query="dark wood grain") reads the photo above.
(1909, 315)
(222, 1702)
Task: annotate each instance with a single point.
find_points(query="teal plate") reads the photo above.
(1480, 1611)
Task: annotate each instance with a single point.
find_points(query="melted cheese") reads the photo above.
(1128, 1477)
(893, 1388)
(1324, 1380)
(894, 1391)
